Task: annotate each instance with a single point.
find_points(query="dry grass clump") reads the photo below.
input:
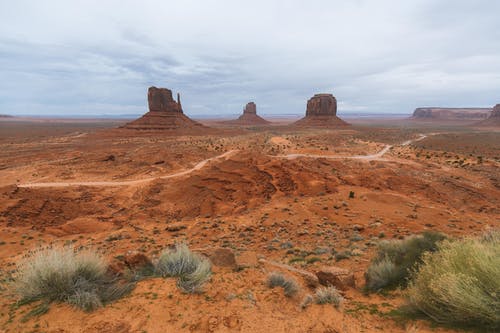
(289, 285)
(64, 275)
(191, 269)
(328, 295)
(460, 284)
(395, 258)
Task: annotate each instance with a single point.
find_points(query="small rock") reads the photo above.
(175, 227)
(247, 259)
(136, 260)
(358, 227)
(335, 276)
(222, 257)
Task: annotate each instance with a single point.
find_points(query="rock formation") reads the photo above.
(494, 119)
(451, 113)
(249, 117)
(321, 112)
(495, 113)
(164, 113)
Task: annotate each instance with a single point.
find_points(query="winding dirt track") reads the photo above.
(198, 166)
(376, 156)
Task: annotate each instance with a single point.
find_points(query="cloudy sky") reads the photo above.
(98, 57)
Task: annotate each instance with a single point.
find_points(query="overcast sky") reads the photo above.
(99, 57)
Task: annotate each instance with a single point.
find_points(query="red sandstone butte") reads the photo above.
(321, 112)
(249, 117)
(164, 113)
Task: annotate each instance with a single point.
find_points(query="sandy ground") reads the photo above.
(274, 193)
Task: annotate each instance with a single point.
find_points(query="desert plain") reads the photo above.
(273, 198)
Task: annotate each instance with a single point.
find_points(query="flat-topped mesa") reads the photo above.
(164, 113)
(451, 113)
(321, 111)
(321, 105)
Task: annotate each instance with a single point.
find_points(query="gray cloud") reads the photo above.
(94, 57)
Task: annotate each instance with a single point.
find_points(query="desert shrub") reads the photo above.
(328, 295)
(289, 285)
(391, 266)
(306, 301)
(65, 275)
(460, 283)
(191, 269)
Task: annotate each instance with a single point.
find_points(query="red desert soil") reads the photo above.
(275, 193)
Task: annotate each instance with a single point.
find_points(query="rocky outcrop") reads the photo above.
(249, 117)
(495, 113)
(451, 113)
(250, 108)
(321, 112)
(164, 113)
(494, 119)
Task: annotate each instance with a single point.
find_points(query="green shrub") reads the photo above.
(328, 295)
(191, 269)
(460, 284)
(289, 285)
(391, 266)
(64, 275)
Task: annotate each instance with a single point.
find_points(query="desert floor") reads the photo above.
(270, 194)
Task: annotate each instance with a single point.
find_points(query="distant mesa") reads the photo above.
(249, 117)
(437, 113)
(321, 112)
(5, 116)
(164, 113)
(494, 119)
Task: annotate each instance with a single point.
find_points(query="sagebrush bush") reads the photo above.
(395, 258)
(328, 295)
(460, 283)
(289, 285)
(191, 269)
(65, 275)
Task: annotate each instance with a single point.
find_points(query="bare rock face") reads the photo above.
(496, 112)
(321, 112)
(451, 113)
(335, 276)
(321, 105)
(164, 113)
(160, 99)
(494, 118)
(249, 117)
(250, 108)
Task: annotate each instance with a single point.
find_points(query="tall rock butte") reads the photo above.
(494, 119)
(321, 112)
(249, 117)
(164, 113)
